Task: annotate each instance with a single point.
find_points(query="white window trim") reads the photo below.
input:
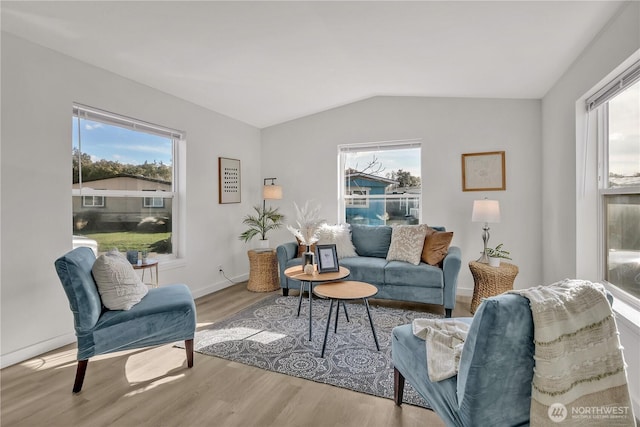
(343, 149)
(152, 202)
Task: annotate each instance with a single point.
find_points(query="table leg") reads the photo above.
(326, 330)
(344, 305)
(310, 303)
(373, 329)
(300, 297)
(335, 330)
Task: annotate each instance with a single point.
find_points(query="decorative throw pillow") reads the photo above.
(119, 286)
(340, 235)
(406, 243)
(436, 247)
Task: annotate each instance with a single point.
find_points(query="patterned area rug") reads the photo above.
(270, 336)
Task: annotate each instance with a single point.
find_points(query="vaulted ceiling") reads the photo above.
(268, 62)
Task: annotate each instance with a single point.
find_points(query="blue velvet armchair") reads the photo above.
(164, 315)
(493, 385)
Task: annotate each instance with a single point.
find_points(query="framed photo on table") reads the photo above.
(327, 258)
(483, 171)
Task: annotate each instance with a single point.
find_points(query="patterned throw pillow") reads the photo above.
(340, 235)
(119, 286)
(407, 242)
(436, 247)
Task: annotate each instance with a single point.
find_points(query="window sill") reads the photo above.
(627, 313)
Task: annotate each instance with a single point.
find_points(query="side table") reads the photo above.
(263, 271)
(148, 265)
(490, 281)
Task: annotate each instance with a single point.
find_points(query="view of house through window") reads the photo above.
(620, 190)
(382, 183)
(123, 183)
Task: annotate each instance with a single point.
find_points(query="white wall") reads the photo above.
(303, 155)
(38, 89)
(569, 214)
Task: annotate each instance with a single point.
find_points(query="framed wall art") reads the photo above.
(228, 180)
(484, 171)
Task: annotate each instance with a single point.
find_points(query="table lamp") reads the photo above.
(485, 211)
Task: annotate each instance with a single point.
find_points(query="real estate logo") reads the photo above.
(557, 412)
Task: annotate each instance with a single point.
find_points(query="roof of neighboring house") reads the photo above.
(352, 175)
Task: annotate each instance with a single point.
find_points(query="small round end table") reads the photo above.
(490, 281)
(263, 271)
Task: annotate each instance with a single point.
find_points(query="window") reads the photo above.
(153, 202)
(617, 108)
(93, 201)
(380, 182)
(124, 160)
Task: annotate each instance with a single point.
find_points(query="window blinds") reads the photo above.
(97, 115)
(614, 87)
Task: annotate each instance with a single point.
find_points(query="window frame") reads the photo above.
(350, 198)
(178, 138)
(604, 190)
(344, 149)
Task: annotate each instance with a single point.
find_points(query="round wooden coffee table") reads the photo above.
(342, 291)
(296, 273)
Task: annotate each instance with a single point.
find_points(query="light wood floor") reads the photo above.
(153, 387)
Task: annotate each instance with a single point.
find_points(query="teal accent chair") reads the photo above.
(493, 385)
(164, 315)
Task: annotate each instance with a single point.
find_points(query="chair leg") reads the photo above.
(80, 371)
(188, 345)
(398, 386)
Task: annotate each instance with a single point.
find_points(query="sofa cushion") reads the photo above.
(365, 269)
(338, 235)
(402, 274)
(436, 247)
(407, 242)
(119, 286)
(371, 241)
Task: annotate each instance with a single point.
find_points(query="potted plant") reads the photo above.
(263, 221)
(495, 254)
(307, 232)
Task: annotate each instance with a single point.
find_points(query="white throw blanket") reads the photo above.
(444, 339)
(579, 375)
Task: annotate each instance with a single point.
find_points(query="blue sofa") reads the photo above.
(395, 280)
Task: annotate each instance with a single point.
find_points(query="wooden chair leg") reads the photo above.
(80, 371)
(188, 345)
(398, 386)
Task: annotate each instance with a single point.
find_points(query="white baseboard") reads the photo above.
(36, 350)
(218, 286)
(465, 292)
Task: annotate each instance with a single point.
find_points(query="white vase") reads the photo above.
(263, 244)
(494, 262)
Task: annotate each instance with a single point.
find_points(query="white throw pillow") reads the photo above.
(407, 242)
(340, 235)
(118, 284)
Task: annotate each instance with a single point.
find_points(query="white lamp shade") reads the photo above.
(486, 211)
(272, 192)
